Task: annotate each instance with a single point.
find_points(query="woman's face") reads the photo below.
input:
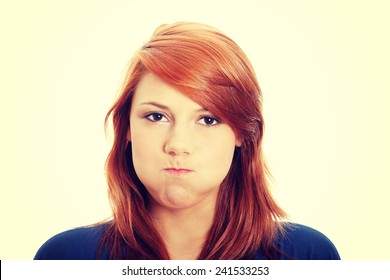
(181, 152)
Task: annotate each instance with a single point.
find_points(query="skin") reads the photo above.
(181, 153)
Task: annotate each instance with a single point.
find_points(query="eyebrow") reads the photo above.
(161, 106)
(164, 107)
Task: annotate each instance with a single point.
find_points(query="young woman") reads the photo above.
(186, 174)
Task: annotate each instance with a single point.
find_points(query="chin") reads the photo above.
(177, 204)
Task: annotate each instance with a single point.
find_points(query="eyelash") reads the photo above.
(151, 117)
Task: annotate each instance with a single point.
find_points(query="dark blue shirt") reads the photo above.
(298, 243)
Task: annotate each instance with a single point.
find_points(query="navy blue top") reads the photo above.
(299, 243)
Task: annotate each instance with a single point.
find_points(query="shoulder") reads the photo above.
(75, 244)
(305, 243)
(299, 242)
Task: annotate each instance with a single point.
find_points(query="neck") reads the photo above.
(184, 231)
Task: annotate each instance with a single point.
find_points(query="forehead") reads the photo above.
(151, 88)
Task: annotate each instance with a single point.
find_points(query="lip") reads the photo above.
(177, 171)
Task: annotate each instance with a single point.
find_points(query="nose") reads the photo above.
(178, 142)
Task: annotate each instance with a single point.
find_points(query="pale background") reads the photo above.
(323, 67)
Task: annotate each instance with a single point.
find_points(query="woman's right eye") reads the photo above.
(156, 117)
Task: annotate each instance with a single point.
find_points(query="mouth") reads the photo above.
(179, 171)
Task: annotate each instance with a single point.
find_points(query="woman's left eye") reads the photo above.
(209, 121)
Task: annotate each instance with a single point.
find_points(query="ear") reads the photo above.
(238, 142)
(128, 135)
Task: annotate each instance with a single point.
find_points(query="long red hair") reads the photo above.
(213, 71)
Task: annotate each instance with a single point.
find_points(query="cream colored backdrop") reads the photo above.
(323, 67)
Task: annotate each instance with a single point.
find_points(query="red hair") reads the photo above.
(213, 71)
